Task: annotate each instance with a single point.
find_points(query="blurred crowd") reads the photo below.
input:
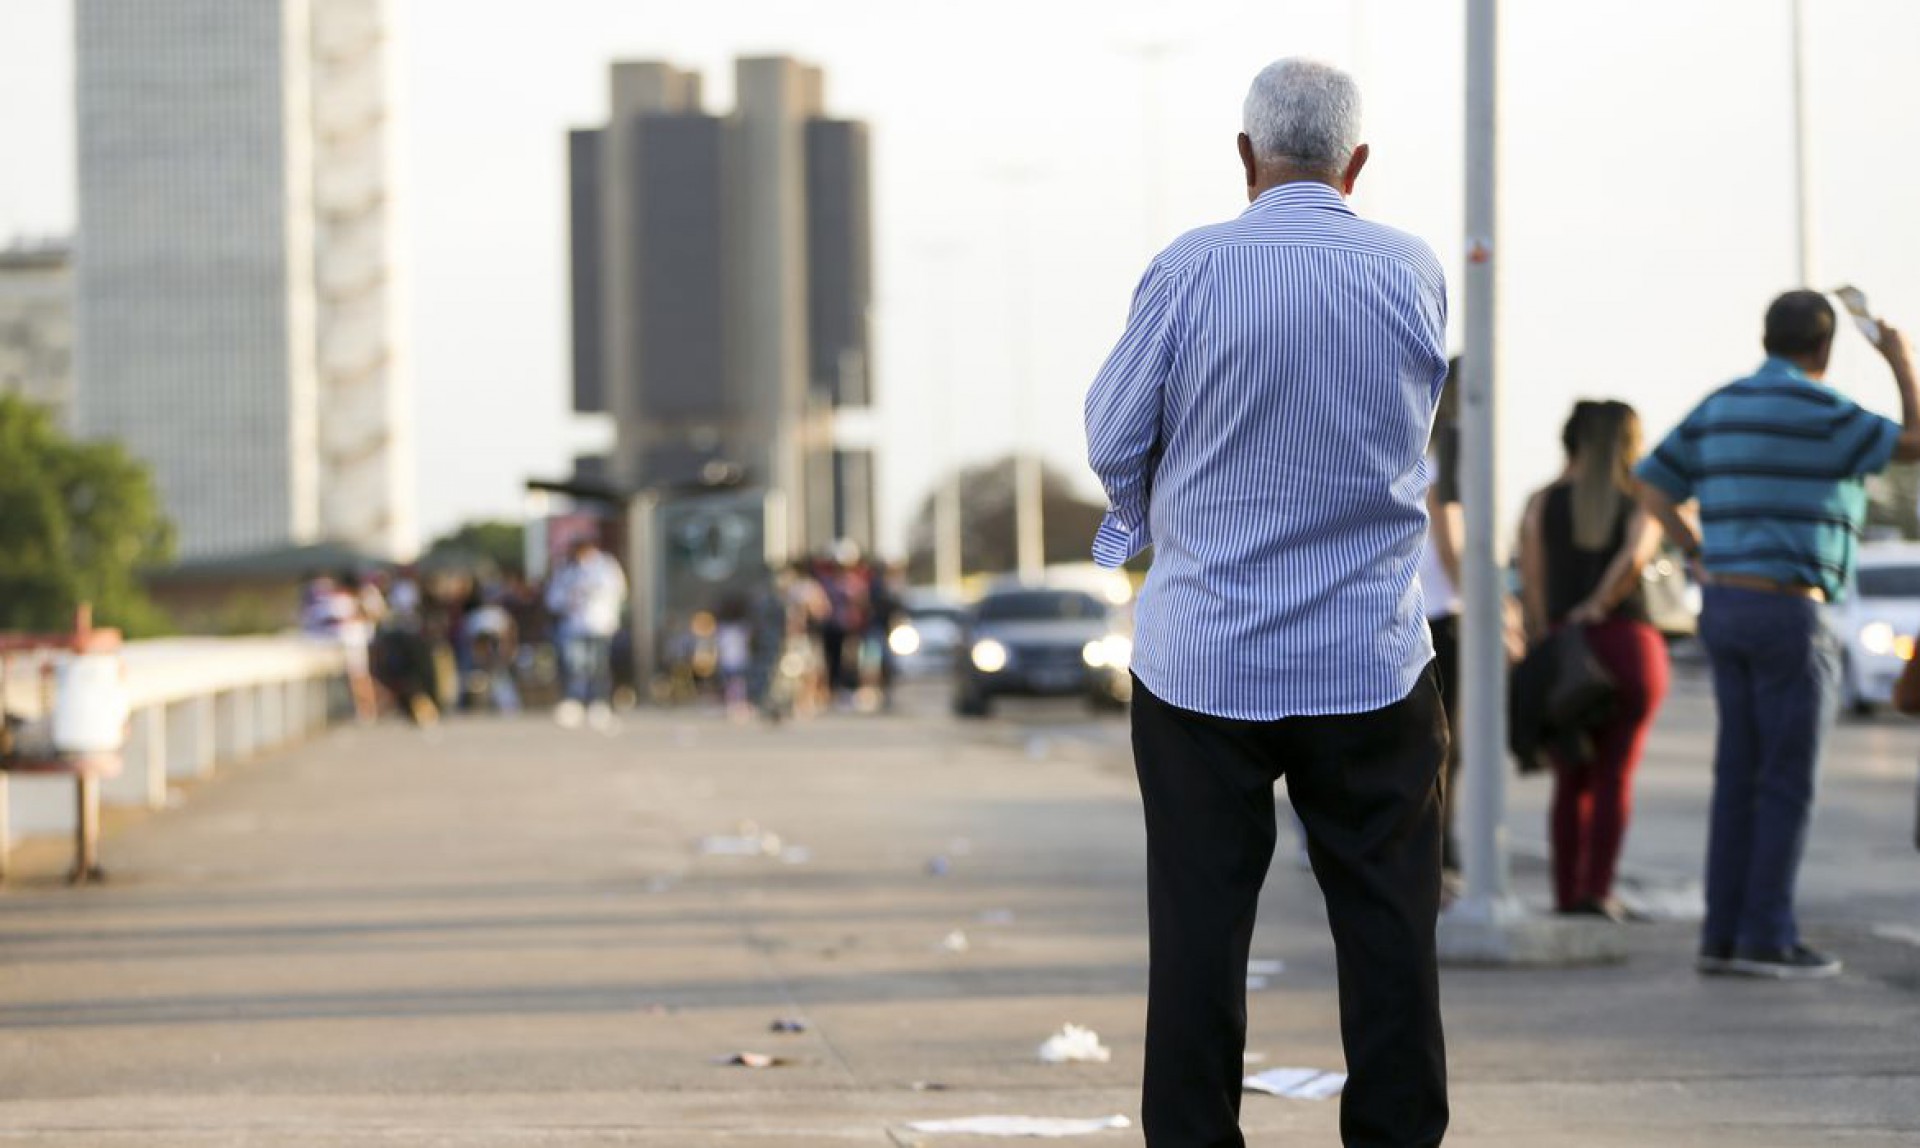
(795, 642)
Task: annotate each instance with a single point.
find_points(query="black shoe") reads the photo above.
(1798, 963)
(1714, 960)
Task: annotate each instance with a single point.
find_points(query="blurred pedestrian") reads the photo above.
(403, 660)
(1262, 423)
(845, 615)
(733, 656)
(585, 596)
(492, 644)
(885, 609)
(332, 609)
(1776, 463)
(1440, 593)
(1583, 546)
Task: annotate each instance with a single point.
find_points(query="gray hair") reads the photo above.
(1305, 113)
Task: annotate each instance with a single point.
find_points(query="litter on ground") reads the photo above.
(788, 1024)
(1038, 1127)
(955, 942)
(749, 841)
(755, 1060)
(1075, 1045)
(1297, 1083)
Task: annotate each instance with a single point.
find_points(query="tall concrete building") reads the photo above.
(36, 326)
(722, 277)
(237, 304)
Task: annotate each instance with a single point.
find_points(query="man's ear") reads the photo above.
(1246, 161)
(1354, 165)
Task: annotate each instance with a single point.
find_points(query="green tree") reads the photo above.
(499, 545)
(76, 521)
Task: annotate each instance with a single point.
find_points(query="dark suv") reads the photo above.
(1033, 642)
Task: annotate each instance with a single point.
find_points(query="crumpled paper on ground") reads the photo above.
(1038, 1127)
(1074, 1044)
(1297, 1083)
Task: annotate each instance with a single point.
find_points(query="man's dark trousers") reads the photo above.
(1368, 788)
(1776, 684)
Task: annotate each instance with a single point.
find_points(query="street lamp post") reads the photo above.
(1482, 653)
(948, 569)
(1802, 161)
(1028, 508)
(1487, 925)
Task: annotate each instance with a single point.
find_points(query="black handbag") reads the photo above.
(1557, 696)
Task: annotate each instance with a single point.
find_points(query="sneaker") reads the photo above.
(1714, 960)
(600, 717)
(1798, 963)
(569, 714)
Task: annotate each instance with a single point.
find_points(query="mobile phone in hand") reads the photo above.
(1855, 301)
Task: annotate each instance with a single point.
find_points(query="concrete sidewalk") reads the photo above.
(504, 933)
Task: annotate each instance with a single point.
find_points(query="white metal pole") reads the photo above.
(1802, 162)
(1483, 666)
(948, 571)
(1028, 506)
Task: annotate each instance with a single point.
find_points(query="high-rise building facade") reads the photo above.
(721, 286)
(36, 326)
(237, 307)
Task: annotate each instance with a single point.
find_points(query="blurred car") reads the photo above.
(927, 634)
(1878, 622)
(1030, 641)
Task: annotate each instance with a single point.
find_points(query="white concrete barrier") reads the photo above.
(197, 704)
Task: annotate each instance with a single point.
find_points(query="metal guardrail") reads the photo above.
(195, 704)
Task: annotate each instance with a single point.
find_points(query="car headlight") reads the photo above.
(1877, 638)
(1115, 651)
(904, 641)
(989, 656)
(1903, 648)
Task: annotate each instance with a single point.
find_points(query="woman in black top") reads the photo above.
(1583, 546)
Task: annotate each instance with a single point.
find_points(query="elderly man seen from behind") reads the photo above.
(1262, 424)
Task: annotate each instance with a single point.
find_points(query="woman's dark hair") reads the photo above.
(1799, 325)
(1570, 433)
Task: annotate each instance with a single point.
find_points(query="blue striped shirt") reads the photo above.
(1776, 461)
(1263, 425)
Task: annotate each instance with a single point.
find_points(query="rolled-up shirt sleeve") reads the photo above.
(1869, 440)
(1123, 420)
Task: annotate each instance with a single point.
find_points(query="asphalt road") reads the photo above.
(505, 933)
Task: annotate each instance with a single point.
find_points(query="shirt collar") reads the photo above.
(1778, 368)
(1301, 193)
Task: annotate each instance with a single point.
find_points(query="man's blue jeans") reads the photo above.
(586, 662)
(1776, 681)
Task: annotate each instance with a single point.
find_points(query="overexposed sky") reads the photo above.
(1033, 155)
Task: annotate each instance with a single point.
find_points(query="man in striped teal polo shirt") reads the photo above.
(1775, 463)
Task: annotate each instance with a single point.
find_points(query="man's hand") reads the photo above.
(1893, 345)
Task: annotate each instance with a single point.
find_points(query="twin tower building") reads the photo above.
(722, 279)
(239, 319)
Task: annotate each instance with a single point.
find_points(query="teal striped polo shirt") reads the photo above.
(1776, 461)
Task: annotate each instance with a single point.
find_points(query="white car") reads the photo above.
(1879, 622)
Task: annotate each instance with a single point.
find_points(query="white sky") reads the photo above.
(1646, 211)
